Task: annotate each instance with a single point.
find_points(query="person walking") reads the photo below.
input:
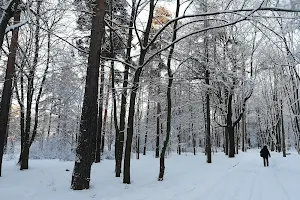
(265, 154)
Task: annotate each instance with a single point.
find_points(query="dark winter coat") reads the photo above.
(265, 152)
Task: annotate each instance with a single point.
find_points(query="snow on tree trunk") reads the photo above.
(135, 87)
(88, 124)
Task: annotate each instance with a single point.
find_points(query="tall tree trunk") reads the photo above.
(169, 99)
(158, 110)
(37, 102)
(243, 122)
(110, 138)
(139, 115)
(168, 133)
(282, 129)
(244, 138)
(230, 124)
(113, 76)
(7, 88)
(22, 109)
(230, 128)
(179, 142)
(50, 121)
(208, 135)
(105, 118)
(138, 146)
(30, 90)
(120, 136)
(147, 124)
(100, 114)
(114, 98)
(226, 141)
(88, 126)
(207, 98)
(126, 175)
(135, 86)
(237, 133)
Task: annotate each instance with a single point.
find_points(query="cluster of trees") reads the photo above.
(199, 75)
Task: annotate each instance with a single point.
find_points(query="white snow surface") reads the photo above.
(187, 177)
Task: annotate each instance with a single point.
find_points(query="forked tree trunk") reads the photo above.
(37, 102)
(88, 125)
(120, 136)
(30, 90)
(135, 87)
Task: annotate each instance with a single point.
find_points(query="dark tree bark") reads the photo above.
(37, 102)
(113, 90)
(230, 127)
(7, 88)
(169, 99)
(237, 133)
(208, 134)
(7, 14)
(230, 124)
(194, 143)
(158, 110)
(168, 133)
(226, 141)
(30, 90)
(179, 143)
(207, 98)
(244, 133)
(126, 175)
(138, 146)
(136, 79)
(88, 125)
(120, 136)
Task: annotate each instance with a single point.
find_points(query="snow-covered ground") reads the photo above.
(187, 177)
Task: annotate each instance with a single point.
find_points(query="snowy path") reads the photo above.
(187, 178)
(251, 181)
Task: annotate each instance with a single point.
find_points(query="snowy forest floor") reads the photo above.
(187, 177)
